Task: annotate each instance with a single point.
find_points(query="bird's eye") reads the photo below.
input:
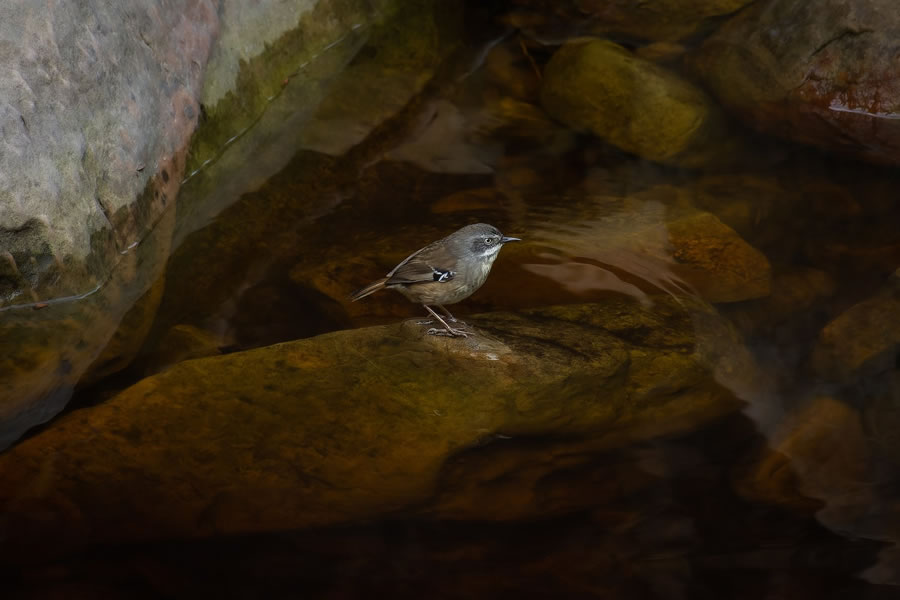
(488, 241)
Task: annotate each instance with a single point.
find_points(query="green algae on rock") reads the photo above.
(358, 423)
(637, 106)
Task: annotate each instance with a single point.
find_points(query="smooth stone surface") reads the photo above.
(80, 185)
(113, 175)
(821, 73)
(819, 455)
(45, 351)
(129, 336)
(269, 109)
(634, 104)
(797, 297)
(180, 343)
(359, 423)
(716, 261)
(862, 341)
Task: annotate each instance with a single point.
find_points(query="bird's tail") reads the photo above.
(369, 289)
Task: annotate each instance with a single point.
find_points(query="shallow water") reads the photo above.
(792, 496)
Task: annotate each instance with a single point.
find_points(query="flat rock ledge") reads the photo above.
(359, 423)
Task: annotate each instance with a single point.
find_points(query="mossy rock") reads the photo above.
(634, 104)
(359, 423)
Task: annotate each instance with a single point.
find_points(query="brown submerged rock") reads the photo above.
(862, 341)
(796, 293)
(717, 261)
(819, 455)
(632, 103)
(821, 73)
(359, 423)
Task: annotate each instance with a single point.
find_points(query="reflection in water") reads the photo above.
(639, 448)
(632, 240)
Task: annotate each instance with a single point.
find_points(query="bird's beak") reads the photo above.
(505, 239)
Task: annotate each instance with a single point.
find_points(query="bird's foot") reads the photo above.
(450, 332)
(425, 322)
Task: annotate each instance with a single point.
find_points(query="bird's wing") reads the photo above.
(430, 263)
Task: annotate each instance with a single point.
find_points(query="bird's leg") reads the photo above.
(444, 310)
(449, 330)
(450, 317)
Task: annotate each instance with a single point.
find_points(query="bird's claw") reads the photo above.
(448, 332)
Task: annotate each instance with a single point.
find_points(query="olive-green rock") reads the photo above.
(634, 104)
(358, 423)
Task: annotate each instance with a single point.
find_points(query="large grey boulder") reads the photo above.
(98, 105)
(98, 101)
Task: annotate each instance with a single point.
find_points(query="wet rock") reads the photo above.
(756, 207)
(863, 340)
(859, 246)
(503, 480)
(358, 423)
(640, 107)
(304, 89)
(79, 185)
(125, 343)
(819, 456)
(331, 96)
(819, 73)
(511, 70)
(716, 261)
(796, 293)
(474, 140)
(83, 191)
(44, 351)
(180, 343)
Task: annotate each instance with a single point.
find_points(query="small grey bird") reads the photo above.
(445, 271)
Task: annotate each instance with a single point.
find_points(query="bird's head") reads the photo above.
(481, 240)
